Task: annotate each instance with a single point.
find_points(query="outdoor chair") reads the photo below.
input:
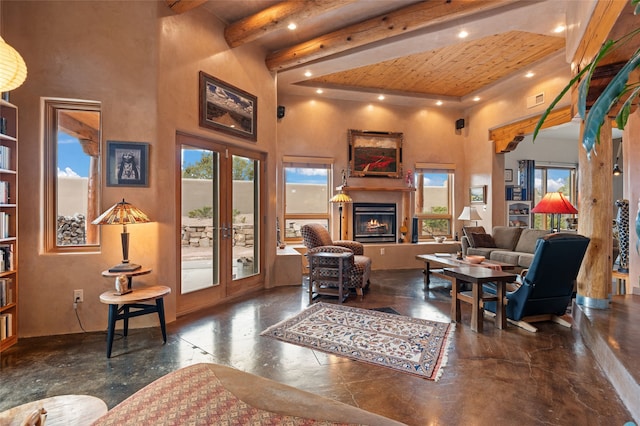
(317, 239)
(548, 285)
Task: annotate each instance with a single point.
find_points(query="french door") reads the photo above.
(220, 205)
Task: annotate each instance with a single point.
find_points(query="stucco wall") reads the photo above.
(318, 128)
(486, 168)
(141, 62)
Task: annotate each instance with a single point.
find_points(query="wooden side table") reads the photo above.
(61, 410)
(132, 307)
(478, 276)
(329, 274)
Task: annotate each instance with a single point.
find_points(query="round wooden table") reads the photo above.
(64, 410)
(129, 305)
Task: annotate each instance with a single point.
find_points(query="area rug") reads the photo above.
(412, 345)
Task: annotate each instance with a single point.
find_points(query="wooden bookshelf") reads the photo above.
(9, 288)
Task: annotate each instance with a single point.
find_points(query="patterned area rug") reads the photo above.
(411, 345)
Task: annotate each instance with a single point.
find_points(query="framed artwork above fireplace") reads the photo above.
(376, 154)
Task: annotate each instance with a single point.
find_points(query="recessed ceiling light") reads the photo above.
(308, 74)
(439, 103)
(529, 74)
(559, 29)
(292, 26)
(476, 99)
(381, 98)
(319, 91)
(463, 34)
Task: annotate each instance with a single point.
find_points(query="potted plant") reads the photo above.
(618, 90)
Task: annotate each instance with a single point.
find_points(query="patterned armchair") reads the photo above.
(317, 239)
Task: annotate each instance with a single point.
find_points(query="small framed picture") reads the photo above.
(508, 175)
(478, 194)
(127, 163)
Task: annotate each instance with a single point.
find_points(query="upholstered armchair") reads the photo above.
(548, 285)
(317, 239)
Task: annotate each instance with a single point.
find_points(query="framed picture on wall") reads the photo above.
(508, 175)
(375, 154)
(227, 109)
(478, 194)
(127, 163)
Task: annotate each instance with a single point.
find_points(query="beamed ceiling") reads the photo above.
(407, 51)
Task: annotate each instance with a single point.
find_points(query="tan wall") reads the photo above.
(142, 63)
(484, 166)
(318, 128)
(68, 190)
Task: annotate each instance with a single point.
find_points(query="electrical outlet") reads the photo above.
(78, 296)
(381, 251)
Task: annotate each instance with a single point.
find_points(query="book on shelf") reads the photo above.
(4, 192)
(4, 224)
(5, 157)
(6, 291)
(6, 326)
(6, 257)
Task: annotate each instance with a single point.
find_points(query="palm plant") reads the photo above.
(618, 88)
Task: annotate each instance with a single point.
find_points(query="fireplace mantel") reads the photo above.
(375, 188)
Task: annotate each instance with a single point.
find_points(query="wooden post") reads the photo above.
(595, 218)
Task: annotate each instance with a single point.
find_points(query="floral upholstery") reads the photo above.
(317, 239)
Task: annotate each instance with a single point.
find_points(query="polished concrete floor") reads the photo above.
(498, 377)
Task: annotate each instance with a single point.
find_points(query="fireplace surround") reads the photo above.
(374, 222)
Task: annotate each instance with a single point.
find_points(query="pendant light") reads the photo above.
(13, 70)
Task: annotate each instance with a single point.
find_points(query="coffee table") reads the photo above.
(449, 260)
(476, 277)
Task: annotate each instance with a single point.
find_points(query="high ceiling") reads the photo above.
(408, 51)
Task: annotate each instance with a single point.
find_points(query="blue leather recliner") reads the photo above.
(548, 285)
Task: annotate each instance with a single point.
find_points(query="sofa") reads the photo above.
(507, 244)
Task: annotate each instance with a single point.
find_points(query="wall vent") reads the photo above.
(535, 100)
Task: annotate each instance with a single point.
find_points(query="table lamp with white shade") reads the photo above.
(470, 213)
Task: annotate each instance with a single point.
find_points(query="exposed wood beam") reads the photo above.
(604, 17)
(182, 6)
(277, 17)
(410, 18)
(76, 128)
(505, 135)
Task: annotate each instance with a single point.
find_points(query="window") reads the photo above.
(307, 185)
(434, 195)
(72, 174)
(553, 178)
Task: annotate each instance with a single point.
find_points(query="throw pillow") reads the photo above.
(467, 230)
(481, 240)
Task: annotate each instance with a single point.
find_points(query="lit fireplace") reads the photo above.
(374, 222)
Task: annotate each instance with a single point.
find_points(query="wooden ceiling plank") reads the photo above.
(447, 71)
(277, 17)
(182, 6)
(410, 18)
